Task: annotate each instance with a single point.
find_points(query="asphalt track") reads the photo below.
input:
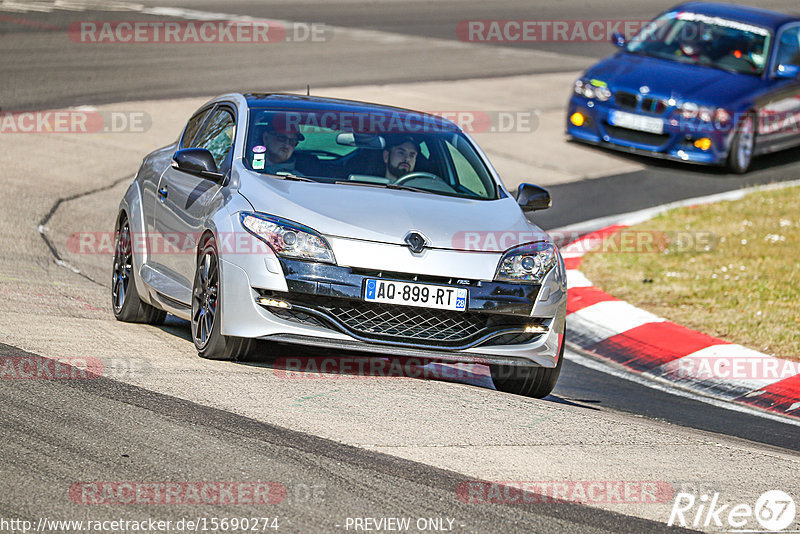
(174, 437)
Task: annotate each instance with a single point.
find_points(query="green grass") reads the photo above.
(729, 269)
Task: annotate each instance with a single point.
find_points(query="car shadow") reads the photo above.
(766, 162)
(300, 362)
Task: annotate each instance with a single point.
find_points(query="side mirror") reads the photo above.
(532, 197)
(197, 161)
(790, 72)
(617, 39)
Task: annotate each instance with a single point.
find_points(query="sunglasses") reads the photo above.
(285, 139)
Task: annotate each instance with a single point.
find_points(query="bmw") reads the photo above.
(702, 83)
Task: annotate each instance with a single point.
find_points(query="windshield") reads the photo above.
(399, 150)
(703, 40)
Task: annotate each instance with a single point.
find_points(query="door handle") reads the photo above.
(162, 193)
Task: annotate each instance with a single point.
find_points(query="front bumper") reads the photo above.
(676, 143)
(328, 311)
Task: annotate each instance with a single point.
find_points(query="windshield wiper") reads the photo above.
(293, 177)
(385, 186)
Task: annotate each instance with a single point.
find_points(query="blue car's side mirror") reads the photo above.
(617, 39)
(790, 72)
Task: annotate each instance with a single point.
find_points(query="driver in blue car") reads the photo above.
(400, 157)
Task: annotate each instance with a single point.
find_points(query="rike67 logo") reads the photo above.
(774, 511)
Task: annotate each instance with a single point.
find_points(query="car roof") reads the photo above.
(294, 102)
(746, 14)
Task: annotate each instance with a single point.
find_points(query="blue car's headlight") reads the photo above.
(288, 239)
(690, 110)
(592, 89)
(527, 263)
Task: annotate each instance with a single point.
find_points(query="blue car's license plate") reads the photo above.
(636, 122)
(414, 294)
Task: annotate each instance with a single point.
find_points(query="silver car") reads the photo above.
(343, 225)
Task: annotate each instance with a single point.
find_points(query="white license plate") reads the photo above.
(636, 122)
(413, 294)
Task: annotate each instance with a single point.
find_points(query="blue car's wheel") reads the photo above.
(741, 151)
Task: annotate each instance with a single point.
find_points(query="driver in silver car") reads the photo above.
(278, 149)
(400, 157)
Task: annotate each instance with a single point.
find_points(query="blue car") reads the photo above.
(702, 83)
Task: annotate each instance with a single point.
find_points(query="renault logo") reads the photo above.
(415, 241)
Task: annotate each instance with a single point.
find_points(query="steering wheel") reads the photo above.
(414, 175)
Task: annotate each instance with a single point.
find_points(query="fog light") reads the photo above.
(535, 329)
(273, 303)
(703, 144)
(577, 119)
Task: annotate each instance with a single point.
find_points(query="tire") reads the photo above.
(125, 301)
(740, 154)
(206, 308)
(530, 381)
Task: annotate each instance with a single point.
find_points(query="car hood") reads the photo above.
(387, 216)
(670, 79)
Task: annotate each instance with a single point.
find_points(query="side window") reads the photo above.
(466, 173)
(217, 136)
(192, 127)
(789, 48)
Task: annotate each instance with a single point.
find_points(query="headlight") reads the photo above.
(527, 263)
(602, 93)
(690, 110)
(288, 239)
(722, 117)
(592, 89)
(584, 88)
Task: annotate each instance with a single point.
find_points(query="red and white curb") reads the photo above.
(653, 347)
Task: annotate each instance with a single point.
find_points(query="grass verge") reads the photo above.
(729, 269)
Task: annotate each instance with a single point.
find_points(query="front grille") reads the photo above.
(649, 104)
(654, 105)
(625, 100)
(406, 324)
(511, 339)
(296, 316)
(635, 136)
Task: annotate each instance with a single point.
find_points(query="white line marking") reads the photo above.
(603, 320)
(575, 278)
(708, 365)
